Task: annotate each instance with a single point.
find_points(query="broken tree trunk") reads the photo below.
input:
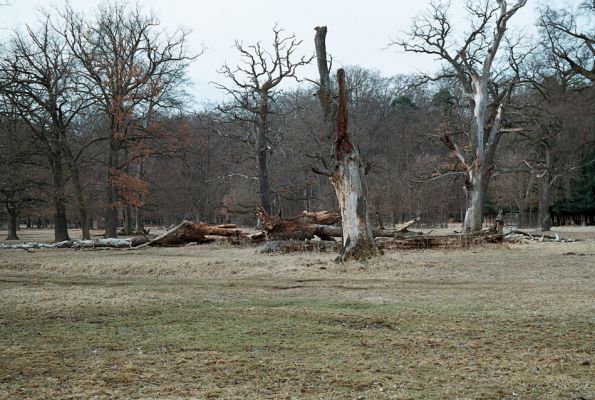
(347, 175)
(348, 182)
(297, 228)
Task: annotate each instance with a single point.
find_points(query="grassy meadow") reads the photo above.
(218, 322)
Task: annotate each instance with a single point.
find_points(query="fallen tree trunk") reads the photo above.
(190, 232)
(292, 246)
(300, 228)
(297, 228)
(443, 241)
(184, 233)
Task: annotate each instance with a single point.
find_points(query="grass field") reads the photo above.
(209, 322)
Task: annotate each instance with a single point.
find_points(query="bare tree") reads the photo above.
(567, 40)
(126, 63)
(486, 87)
(346, 169)
(42, 86)
(20, 183)
(254, 87)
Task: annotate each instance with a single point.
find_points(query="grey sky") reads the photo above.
(358, 31)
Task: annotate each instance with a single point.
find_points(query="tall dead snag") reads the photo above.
(348, 170)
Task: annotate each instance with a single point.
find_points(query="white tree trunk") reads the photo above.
(358, 240)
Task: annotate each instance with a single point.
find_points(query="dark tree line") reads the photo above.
(94, 133)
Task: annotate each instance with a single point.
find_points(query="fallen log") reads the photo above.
(320, 217)
(515, 233)
(297, 228)
(79, 244)
(190, 232)
(307, 227)
(442, 241)
(292, 246)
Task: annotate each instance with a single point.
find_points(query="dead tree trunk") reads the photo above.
(347, 176)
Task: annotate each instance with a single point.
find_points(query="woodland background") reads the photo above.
(94, 125)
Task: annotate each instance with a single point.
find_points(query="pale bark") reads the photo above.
(472, 66)
(357, 238)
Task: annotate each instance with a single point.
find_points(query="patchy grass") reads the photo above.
(206, 321)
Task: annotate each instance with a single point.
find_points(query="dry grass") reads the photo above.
(207, 321)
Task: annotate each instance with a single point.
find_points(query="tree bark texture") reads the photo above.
(348, 182)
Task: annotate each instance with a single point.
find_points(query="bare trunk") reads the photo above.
(139, 225)
(545, 219)
(80, 202)
(111, 210)
(59, 199)
(78, 188)
(348, 182)
(261, 156)
(358, 241)
(474, 212)
(12, 223)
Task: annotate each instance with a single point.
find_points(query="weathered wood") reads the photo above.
(348, 170)
(515, 233)
(190, 232)
(290, 229)
(291, 246)
(444, 241)
(321, 217)
(348, 182)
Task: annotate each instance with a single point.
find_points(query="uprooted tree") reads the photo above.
(346, 169)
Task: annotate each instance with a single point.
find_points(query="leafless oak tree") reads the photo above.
(253, 89)
(568, 41)
(126, 62)
(486, 86)
(43, 87)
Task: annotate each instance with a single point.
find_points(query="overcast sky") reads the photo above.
(358, 31)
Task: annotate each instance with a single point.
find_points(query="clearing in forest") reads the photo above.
(213, 321)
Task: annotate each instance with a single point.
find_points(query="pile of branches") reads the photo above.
(310, 231)
(519, 236)
(186, 232)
